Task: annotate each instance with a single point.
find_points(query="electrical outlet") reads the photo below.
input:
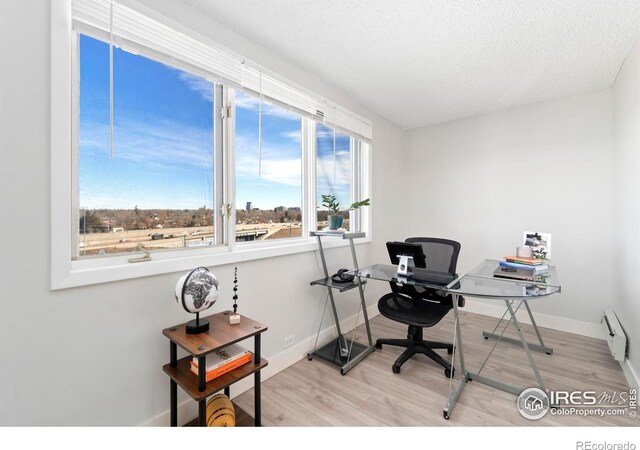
(288, 341)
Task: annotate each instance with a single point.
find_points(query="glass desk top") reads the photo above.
(480, 282)
(419, 277)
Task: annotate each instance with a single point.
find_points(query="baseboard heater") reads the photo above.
(616, 338)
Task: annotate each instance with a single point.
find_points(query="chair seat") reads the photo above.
(419, 307)
(412, 311)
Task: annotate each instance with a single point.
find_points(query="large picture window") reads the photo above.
(151, 188)
(180, 153)
(268, 150)
(334, 172)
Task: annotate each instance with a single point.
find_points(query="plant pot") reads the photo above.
(335, 222)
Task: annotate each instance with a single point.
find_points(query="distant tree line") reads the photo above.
(268, 216)
(103, 220)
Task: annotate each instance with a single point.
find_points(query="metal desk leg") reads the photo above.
(466, 375)
(363, 303)
(536, 347)
(547, 350)
(525, 345)
(453, 396)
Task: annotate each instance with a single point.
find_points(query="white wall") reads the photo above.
(101, 347)
(94, 355)
(546, 167)
(626, 190)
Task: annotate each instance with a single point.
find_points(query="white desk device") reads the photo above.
(405, 263)
(406, 255)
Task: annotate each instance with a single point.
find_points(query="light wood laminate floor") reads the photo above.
(313, 393)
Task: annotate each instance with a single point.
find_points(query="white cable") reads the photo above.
(111, 152)
(260, 131)
(334, 156)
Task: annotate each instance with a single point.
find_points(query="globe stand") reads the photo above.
(197, 326)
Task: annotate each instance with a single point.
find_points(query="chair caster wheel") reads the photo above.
(445, 415)
(309, 357)
(449, 372)
(449, 350)
(378, 345)
(395, 369)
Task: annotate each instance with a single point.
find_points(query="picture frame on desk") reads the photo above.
(540, 243)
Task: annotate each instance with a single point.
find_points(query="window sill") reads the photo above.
(116, 268)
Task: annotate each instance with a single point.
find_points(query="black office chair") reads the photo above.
(420, 307)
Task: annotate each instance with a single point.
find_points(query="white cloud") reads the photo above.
(198, 84)
(287, 172)
(284, 171)
(326, 180)
(163, 143)
(295, 136)
(251, 103)
(325, 134)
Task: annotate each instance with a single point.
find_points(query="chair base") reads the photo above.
(414, 346)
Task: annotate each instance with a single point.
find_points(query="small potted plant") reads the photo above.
(330, 202)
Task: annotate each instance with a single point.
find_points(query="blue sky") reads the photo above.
(163, 140)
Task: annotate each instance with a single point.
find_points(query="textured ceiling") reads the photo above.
(420, 62)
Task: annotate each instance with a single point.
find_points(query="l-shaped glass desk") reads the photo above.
(480, 283)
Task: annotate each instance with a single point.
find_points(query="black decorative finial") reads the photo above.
(235, 289)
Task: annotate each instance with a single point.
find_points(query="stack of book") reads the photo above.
(223, 360)
(530, 269)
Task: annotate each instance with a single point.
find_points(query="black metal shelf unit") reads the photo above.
(342, 351)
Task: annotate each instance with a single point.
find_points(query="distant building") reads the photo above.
(248, 208)
(279, 208)
(295, 209)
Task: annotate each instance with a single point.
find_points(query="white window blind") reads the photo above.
(135, 32)
(276, 91)
(348, 122)
(306, 104)
(138, 33)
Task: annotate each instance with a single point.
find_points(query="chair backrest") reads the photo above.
(441, 254)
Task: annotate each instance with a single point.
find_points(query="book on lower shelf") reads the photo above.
(223, 360)
(215, 373)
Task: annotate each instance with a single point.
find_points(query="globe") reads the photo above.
(197, 291)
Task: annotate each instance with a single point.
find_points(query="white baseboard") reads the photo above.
(542, 320)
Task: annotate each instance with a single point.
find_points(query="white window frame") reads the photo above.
(67, 272)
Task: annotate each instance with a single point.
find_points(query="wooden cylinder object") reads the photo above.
(220, 412)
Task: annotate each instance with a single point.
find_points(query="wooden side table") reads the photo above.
(219, 335)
